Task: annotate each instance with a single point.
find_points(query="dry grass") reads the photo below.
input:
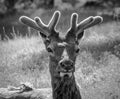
(21, 61)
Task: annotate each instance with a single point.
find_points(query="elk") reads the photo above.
(62, 51)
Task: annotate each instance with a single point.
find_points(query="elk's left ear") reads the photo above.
(80, 35)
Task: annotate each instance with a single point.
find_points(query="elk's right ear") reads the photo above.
(43, 35)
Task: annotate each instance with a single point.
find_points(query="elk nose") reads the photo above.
(66, 64)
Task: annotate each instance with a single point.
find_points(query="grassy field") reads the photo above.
(24, 59)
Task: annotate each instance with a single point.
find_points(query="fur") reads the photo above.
(66, 88)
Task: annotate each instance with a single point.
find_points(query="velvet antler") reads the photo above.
(39, 25)
(78, 28)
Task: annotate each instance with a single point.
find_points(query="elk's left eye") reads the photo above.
(49, 50)
(77, 50)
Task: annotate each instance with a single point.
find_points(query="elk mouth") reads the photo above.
(66, 74)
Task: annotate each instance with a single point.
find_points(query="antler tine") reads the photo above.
(78, 28)
(42, 26)
(54, 20)
(97, 20)
(81, 25)
(29, 22)
(89, 22)
(85, 22)
(73, 22)
(52, 24)
(39, 25)
(73, 26)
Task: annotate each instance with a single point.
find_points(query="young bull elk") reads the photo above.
(62, 51)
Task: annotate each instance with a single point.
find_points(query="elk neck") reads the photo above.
(62, 88)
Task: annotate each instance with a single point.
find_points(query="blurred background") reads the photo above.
(11, 10)
(23, 57)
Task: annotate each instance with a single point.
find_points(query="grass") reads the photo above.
(24, 59)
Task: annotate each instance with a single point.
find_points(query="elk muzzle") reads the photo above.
(66, 67)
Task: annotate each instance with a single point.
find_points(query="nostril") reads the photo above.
(71, 64)
(66, 65)
(62, 64)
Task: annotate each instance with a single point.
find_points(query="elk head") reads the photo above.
(62, 50)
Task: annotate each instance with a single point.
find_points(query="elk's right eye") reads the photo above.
(77, 51)
(49, 50)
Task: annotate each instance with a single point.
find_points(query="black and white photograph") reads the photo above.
(59, 49)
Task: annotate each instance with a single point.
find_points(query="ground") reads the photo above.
(24, 59)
